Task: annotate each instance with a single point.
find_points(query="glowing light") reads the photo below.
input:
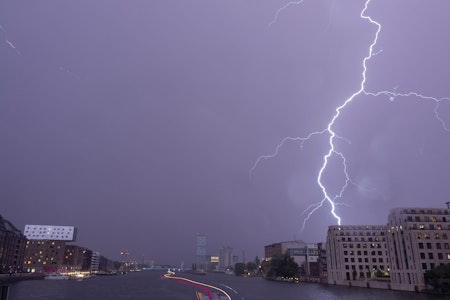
(329, 132)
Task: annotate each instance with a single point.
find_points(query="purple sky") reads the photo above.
(138, 121)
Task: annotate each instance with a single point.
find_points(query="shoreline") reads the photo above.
(6, 279)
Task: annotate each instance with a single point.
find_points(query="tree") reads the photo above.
(439, 278)
(239, 269)
(282, 266)
(251, 267)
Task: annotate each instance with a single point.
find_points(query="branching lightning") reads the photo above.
(332, 136)
(9, 43)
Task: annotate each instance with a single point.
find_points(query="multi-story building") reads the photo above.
(305, 255)
(46, 246)
(225, 258)
(44, 256)
(200, 253)
(73, 258)
(12, 247)
(356, 253)
(418, 240)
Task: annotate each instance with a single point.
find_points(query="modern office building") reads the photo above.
(12, 247)
(418, 240)
(356, 253)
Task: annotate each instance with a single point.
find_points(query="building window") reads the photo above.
(428, 245)
(438, 246)
(422, 255)
(444, 236)
(346, 259)
(446, 246)
(424, 266)
(448, 256)
(439, 227)
(440, 256)
(420, 245)
(430, 256)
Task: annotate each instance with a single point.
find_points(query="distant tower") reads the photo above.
(201, 251)
(225, 258)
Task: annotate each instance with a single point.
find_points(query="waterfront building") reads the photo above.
(44, 256)
(356, 253)
(305, 255)
(73, 258)
(225, 258)
(12, 247)
(44, 250)
(418, 240)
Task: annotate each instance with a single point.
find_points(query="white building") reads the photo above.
(356, 254)
(418, 240)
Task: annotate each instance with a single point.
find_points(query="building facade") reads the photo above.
(305, 255)
(356, 253)
(225, 258)
(418, 241)
(200, 252)
(44, 256)
(12, 247)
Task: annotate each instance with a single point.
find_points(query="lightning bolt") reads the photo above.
(332, 136)
(9, 43)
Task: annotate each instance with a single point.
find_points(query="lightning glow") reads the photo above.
(9, 43)
(332, 136)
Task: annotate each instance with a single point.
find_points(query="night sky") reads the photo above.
(138, 121)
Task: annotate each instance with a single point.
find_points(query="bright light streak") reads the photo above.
(9, 43)
(199, 283)
(328, 131)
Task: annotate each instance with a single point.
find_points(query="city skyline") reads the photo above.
(138, 123)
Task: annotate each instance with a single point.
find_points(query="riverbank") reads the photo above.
(7, 278)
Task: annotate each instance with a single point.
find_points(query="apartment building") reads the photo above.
(356, 253)
(418, 240)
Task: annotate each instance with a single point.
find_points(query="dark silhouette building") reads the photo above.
(12, 247)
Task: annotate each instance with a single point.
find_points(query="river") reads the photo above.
(153, 285)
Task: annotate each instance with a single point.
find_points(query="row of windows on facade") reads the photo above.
(425, 219)
(427, 235)
(364, 246)
(366, 260)
(437, 245)
(367, 267)
(377, 228)
(422, 211)
(431, 255)
(362, 233)
(372, 253)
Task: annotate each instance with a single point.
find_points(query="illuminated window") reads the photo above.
(421, 226)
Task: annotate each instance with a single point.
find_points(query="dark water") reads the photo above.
(151, 285)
